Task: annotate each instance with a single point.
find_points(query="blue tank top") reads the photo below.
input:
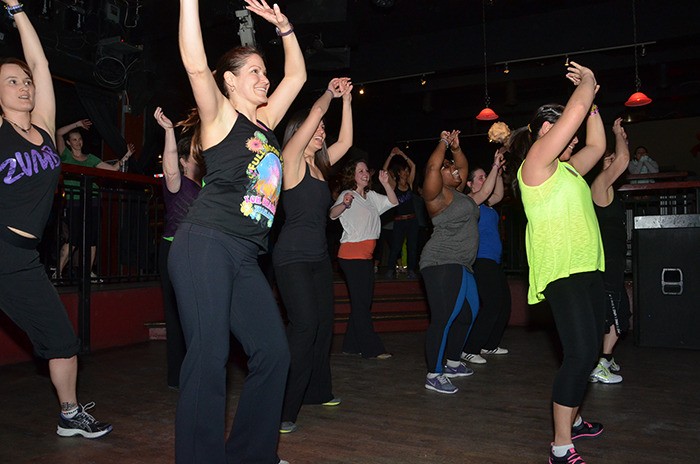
(303, 235)
(242, 184)
(490, 246)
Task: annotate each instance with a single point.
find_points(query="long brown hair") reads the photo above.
(347, 176)
(321, 158)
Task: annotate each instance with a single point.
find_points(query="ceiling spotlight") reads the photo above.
(566, 63)
(505, 69)
(422, 80)
(362, 90)
(383, 3)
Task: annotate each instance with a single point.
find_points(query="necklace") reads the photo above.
(26, 131)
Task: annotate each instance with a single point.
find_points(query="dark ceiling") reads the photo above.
(389, 50)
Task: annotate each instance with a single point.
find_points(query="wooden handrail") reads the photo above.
(658, 175)
(671, 185)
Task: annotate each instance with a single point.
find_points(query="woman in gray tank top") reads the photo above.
(446, 263)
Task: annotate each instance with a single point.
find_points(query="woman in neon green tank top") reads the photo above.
(563, 244)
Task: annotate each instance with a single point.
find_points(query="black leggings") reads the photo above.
(578, 306)
(307, 292)
(494, 292)
(175, 342)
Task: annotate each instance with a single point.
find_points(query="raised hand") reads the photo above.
(384, 178)
(618, 129)
(84, 123)
(162, 119)
(335, 87)
(576, 73)
(347, 200)
(272, 15)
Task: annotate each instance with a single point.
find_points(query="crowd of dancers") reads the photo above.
(213, 286)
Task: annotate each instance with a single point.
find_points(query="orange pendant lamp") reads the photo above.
(638, 98)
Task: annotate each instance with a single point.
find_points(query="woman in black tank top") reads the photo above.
(611, 219)
(30, 168)
(213, 259)
(302, 265)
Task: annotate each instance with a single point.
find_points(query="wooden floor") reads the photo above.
(500, 415)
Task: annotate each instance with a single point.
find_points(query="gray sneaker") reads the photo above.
(288, 427)
(440, 384)
(460, 371)
(603, 375)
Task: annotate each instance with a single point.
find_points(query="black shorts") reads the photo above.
(31, 301)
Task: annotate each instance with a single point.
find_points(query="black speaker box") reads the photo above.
(667, 281)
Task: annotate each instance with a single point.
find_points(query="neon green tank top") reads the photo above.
(562, 235)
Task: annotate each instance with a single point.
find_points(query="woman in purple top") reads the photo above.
(182, 181)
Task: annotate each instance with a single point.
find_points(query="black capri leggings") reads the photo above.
(578, 306)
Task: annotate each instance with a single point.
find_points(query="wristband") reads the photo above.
(284, 34)
(447, 144)
(14, 9)
(594, 110)
(332, 94)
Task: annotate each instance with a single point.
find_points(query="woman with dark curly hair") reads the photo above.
(359, 209)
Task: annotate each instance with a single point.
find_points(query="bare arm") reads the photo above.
(116, 166)
(44, 112)
(294, 67)
(459, 158)
(588, 156)
(338, 209)
(171, 162)
(210, 101)
(293, 152)
(344, 142)
(390, 194)
(394, 151)
(490, 183)
(498, 190)
(601, 188)
(432, 185)
(540, 162)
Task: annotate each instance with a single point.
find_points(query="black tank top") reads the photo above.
(29, 178)
(242, 184)
(405, 205)
(303, 235)
(612, 220)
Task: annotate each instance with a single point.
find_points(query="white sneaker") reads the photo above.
(614, 367)
(603, 375)
(497, 350)
(472, 358)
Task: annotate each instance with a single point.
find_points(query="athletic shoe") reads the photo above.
(571, 457)
(282, 461)
(440, 384)
(333, 402)
(586, 430)
(95, 279)
(497, 350)
(472, 358)
(614, 367)
(288, 427)
(82, 424)
(383, 356)
(460, 371)
(603, 375)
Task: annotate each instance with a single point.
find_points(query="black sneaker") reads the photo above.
(571, 457)
(82, 424)
(586, 430)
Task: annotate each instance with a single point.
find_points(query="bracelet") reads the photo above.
(332, 94)
(284, 34)
(447, 144)
(594, 110)
(14, 9)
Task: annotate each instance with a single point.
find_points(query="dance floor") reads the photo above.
(500, 415)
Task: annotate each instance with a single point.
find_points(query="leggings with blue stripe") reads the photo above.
(454, 304)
